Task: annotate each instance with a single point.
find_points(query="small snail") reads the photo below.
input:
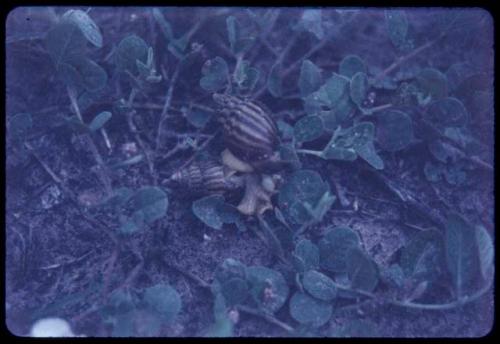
(250, 133)
(206, 177)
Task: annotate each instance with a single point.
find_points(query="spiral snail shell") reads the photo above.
(249, 131)
(206, 177)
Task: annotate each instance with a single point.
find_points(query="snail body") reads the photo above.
(206, 177)
(249, 131)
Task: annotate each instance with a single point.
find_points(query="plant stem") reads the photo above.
(270, 318)
(133, 129)
(103, 171)
(166, 105)
(311, 152)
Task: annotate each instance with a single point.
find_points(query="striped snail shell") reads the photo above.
(249, 131)
(206, 177)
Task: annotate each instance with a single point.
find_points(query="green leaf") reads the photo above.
(215, 74)
(274, 81)
(394, 130)
(333, 248)
(309, 311)
(397, 26)
(99, 120)
(422, 257)
(288, 153)
(152, 202)
(19, 125)
(165, 26)
(164, 300)
(178, 46)
(91, 76)
(63, 42)
(231, 23)
(240, 38)
(432, 82)
(461, 252)
(246, 77)
(300, 187)
(319, 285)
(368, 153)
(358, 88)
(229, 269)
(129, 50)
(205, 209)
(448, 112)
(311, 21)
(223, 327)
(308, 128)
(306, 256)
(361, 270)
(486, 252)
(344, 143)
(331, 101)
(197, 117)
(268, 287)
(324, 204)
(350, 65)
(86, 25)
(310, 78)
(235, 291)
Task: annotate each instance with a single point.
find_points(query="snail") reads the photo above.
(250, 135)
(206, 177)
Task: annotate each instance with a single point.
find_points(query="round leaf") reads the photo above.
(206, 210)
(274, 82)
(129, 50)
(461, 252)
(198, 118)
(215, 74)
(361, 270)
(422, 257)
(394, 130)
(306, 256)
(448, 112)
(319, 285)
(268, 287)
(309, 311)
(164, 300)
(310, 78)
(86, 25)
(152, 202)
(351, 65)
(486, 252)
(333, 248)
(235, 291)
(308, 128)
(99, 120)
(397, 26)
(432, 82)
(358, 88)
(300, 187)
(64, 41)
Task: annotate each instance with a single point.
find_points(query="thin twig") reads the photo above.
(266, 316)
(166, 105)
